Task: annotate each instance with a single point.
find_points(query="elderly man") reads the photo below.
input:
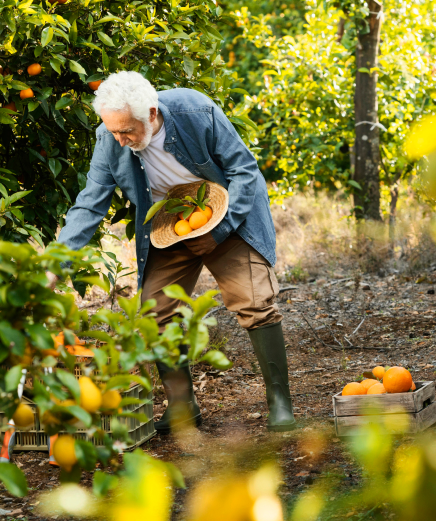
(149, 142)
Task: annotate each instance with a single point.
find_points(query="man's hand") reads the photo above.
(202, 245)
(52, 280)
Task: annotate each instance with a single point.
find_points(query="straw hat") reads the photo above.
(162, 231)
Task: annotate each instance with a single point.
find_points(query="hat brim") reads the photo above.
(162, 230)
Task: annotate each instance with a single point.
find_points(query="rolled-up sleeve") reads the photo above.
(240, 170)
(92, 203)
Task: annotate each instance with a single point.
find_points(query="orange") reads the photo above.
(377, 388)
(378, 372)
(397, 380)
(26, 93)
(207, 212)
(94, 85)
(369, 382)
(182, 228)
(34, 69)
(197, 220)
(353, 388)
(11, 106)
(413, 388)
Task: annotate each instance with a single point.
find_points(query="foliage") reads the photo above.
(305, 109)
(31, 314)
(46, 140)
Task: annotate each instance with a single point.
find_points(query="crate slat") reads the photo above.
(388, 403)
(414, 422)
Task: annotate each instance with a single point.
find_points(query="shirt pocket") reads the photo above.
(264, 280)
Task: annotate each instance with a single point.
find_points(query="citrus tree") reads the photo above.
(305, 105)
(31, 316)
(53, 56)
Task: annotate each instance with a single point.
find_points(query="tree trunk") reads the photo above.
(367, 144)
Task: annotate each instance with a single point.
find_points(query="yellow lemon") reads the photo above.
(64, 453)
(90, 395)
(111, 399)
(23, 416)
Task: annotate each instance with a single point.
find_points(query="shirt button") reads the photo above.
(142, 168)
(173, 138)
(145, 236)
(148, 189)
(142, 260)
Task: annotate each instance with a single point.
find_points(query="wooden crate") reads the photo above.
(401, 412)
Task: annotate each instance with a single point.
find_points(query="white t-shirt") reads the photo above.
(163, 170)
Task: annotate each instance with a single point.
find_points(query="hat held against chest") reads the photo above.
(162, 230)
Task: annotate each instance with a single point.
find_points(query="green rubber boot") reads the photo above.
(269, 346)
(182, 407)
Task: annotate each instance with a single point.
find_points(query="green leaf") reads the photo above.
(76, 67)
(176, 475)
(363, 69)
(188, 66)
(55, 65)
(70, 382)
(86, 454)
(354, 183)
(201, 192)
(46, 36)
(103, 483)
(154, 209)
(80, 414)
(176, 292)
(65, 101)
(13, 479)
(12, 378)
(217, 359)
(73, 32)
(19, 195)
(96, 281)
(188, 212)
(107, 40)
(109, 18)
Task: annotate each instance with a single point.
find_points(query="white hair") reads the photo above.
(126, 90)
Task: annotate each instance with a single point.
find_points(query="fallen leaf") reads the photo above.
(254, 415)
(301, 474)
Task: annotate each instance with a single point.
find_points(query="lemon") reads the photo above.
(23, 416)
(64, 453)
(90, 395)
(111, 399)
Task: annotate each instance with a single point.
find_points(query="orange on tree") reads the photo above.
(397, 380)
(377, 388)
(207, 212)
(111, 399)
(94, 85)
(353, 388)
(34, 69)
(378, 372)
(26, 93)
(11, 106)
(182, 227)
(64, 452)
(23, 416)
(197, 220)
(90, 395)
(369, 382)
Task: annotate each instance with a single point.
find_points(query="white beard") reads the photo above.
(137, 147)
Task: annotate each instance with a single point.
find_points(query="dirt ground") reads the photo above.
(335, 328)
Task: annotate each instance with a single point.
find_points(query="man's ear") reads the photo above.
(153, 114)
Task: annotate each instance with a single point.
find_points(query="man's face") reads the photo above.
(127, 130)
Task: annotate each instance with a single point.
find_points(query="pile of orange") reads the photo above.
(197, 219)
(392, 380)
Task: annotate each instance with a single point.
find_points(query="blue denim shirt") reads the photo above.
(201, 138)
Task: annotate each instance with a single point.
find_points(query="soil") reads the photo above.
(387, 320)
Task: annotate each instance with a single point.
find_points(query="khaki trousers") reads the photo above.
(246, 280)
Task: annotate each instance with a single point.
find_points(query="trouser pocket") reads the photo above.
(264, 280)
